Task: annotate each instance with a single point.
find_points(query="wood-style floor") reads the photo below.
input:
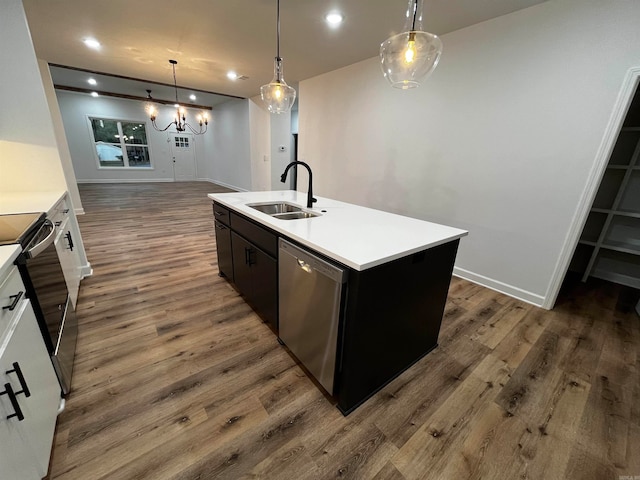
(176, 378)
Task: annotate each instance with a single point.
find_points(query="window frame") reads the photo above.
(122, 144)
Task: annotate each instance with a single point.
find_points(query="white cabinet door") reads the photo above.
(16, 457)
(69, 260)
(24, 348)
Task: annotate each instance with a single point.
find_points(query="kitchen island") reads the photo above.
(398, 271)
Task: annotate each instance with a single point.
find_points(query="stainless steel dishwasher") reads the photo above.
(310, 291)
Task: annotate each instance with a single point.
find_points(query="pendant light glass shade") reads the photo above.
(277, 95)
(409, 57)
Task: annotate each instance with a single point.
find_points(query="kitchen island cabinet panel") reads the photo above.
(392, 319)
(255, 275)
(258, 235)
(265, 288)
(224, 251)
(221, 214)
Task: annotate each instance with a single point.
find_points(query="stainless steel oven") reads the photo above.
(41, 272)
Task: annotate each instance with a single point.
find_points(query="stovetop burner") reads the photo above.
(19, 227)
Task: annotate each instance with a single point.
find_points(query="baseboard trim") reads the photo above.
(515, 292)
(86, 271)
(125, 180)
(223, 184)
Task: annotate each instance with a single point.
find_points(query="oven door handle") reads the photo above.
(48, 240)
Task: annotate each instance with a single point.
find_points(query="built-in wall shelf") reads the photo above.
(609, 247)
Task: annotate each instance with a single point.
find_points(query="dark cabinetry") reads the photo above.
(256, 276)
(392, 319)
(223, 240)
(247, 256)
(223, 245)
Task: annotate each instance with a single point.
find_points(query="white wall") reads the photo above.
(231, 147)
(61, 138)
(280, 137)
(29, 159)
(500, 140)
(75, 109)
(260, 129)
(222, 153)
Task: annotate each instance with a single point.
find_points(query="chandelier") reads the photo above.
(180, 117)
(409, 57)
(277, 95)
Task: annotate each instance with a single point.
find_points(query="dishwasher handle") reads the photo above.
(304, 265)
(310, 263)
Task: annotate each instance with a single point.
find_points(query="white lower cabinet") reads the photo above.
(30, 399)
(69, 260)
(75, 265)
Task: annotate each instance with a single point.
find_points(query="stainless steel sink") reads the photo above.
(295, 215)
(274, 208)
(283, 210)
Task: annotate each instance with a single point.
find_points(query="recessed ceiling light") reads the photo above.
(92, 81)
(232, 75)
(92, 43)
(94, 94)
(192, 97)
(334, 19)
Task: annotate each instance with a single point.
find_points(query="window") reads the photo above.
(120, 143)
(182, 142)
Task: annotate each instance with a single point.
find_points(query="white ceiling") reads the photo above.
(210, 37)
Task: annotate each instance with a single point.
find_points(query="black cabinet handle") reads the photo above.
(220, 226)
(58, 223)
(66, 210)
(220, 214)
(248, 259)
(69, 239)
(16, 298)
(18, 371)
(14, 402)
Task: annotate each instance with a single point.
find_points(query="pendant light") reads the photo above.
(277, 95)
(180, 117)
(409, 57)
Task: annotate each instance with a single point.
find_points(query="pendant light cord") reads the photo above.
(278, 29)
(415, 12)
(175, 83)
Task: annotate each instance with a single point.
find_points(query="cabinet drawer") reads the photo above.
(11, 293)
(59, 213)
(256, 234)
(221, 214)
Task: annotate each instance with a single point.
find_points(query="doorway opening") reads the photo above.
(606, 231)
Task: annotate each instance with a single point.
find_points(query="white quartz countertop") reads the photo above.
(355, 236)
(27, 202)
(8, 253)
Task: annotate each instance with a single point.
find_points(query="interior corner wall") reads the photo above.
(500, 140)
(281, 154)
(260, 132)
(230, 153)
(61, 138)
(29, 159)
